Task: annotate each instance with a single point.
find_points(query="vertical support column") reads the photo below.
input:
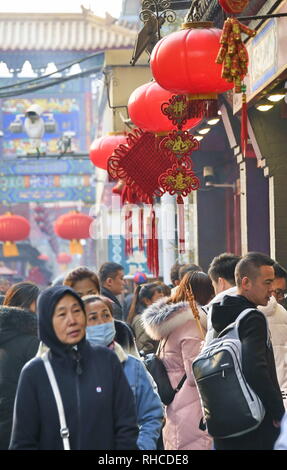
(168, 235)
(243, 208)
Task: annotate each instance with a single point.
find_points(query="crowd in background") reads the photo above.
(96, 335)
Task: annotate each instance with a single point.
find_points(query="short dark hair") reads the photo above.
(109, 269)
(80, 273)
(280, 271)
(223, 266)
(174, 271)
(88, 299)
(186, 268)
(200, 284)
(249, 265)
(22, 294)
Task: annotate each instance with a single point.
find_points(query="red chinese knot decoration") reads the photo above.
(233, 6)
(12, 228)
(179, 180)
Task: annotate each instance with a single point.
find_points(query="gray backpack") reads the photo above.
(230, 406)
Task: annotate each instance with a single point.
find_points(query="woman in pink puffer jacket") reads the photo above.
(171, 321)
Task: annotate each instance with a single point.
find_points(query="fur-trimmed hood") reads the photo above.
(15, 321)
(160, 319)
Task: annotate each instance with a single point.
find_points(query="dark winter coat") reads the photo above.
(18, 344)
(98, 402)
(116, 306)
(258, 368)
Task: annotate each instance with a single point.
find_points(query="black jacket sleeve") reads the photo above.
(26, 424)
(125, 419)
(258, 364)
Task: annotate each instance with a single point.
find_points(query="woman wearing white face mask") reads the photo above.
(101, 331)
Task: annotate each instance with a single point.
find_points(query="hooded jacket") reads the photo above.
(257, 363)
(277, 321)
(176, 328)
(18, 344)
(98, 402)
(148, 404)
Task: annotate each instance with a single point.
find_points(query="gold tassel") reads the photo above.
(10, 249)
(76, 247)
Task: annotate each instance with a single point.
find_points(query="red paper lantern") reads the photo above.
(64, 258)
(13, 228)
(233, 6)
(184, 61)
(103, 147)
(43, 257)
(73, 226)
(145, 111)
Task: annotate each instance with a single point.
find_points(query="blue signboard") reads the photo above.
(132, 264)
(85, 194)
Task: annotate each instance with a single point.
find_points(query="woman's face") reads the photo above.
(157, 295)
(85, 287)
(98, 313)
(69, 320)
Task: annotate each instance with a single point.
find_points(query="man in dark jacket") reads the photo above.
(98, 402)
(112, 282)
(254, 276)
(18, 344)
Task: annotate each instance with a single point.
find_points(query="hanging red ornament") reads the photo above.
(233, 6)
(73, 226)
(179, 145)
(145, 109)
(179, 180)
(103, 147)
(197, 75)
(233, 53)
(12, 228)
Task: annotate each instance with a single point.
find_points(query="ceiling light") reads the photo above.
(263, 106)
(276, 96)
(204, 131)
(212, 122)
(198, 137)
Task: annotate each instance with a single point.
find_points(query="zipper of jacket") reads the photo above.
(78, 373)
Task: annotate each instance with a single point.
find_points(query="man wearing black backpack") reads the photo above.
(254, 275)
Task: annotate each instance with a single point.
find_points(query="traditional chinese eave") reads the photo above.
(62, 31)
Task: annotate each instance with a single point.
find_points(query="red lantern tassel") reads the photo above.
(155, 262)
(141, 229)
(244, 131)
(148, 244)
(180, 222)
(128, 232)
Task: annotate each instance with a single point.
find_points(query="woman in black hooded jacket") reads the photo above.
(98, 402)
(18, 344)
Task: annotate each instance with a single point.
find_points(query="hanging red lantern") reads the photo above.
(43, 257)
(191, 52)
(12, 228)
(233, 6)
(144, 107)
(103, 147)
(73, 226)
(64, 258)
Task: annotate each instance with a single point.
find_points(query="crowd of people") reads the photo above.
(95, 340)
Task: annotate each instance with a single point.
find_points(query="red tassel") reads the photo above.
(141, 229)
(152, 244)
(128, 232)
(180, 222)
(244, 131)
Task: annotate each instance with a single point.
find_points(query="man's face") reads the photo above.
(259, 290)
(279, 289)
(117, 284)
